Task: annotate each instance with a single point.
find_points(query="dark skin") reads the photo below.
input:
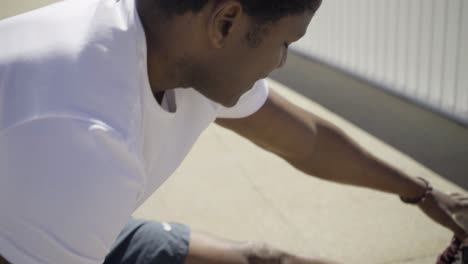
(209, 49)
(210, 52)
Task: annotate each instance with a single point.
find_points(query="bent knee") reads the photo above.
(259, 253)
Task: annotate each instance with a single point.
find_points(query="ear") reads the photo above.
(224, 20)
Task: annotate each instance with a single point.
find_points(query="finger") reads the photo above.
(459, 197)
(461, 205)
(456, 195)
(461, 200)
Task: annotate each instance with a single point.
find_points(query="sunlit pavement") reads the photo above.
(229, 187)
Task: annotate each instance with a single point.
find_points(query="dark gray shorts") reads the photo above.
(150, 242)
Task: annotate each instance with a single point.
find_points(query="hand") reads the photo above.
(440, 207)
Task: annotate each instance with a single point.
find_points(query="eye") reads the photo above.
(286, 45)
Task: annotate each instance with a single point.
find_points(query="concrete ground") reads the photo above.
(433, 140)
(230, 188)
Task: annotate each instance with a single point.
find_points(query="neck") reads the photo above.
(161, 58)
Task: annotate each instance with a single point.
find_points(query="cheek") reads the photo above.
(271, 59)
(242, 71)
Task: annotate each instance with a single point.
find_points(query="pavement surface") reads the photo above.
(230, 188)
(434, 140)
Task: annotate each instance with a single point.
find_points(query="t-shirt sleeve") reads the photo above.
(67, 187)
(249, 102)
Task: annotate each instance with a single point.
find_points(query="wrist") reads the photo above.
(412, 187)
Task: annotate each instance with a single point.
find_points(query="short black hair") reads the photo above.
(262, 11)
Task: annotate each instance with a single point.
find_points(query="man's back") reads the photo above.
(68, 86)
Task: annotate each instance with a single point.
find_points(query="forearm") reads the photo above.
(258, 253)
(207, 249)
(337, 157)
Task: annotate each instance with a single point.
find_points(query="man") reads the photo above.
(102, 100)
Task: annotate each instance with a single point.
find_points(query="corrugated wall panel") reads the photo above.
(413, 48)
(461, 105)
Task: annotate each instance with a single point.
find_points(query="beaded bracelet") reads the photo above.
(427, 190)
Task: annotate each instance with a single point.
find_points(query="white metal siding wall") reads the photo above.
(414, 48)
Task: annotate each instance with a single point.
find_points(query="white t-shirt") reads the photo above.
(83, 142)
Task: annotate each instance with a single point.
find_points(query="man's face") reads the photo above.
(233, 69)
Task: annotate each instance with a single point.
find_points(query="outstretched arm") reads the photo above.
(319, 148)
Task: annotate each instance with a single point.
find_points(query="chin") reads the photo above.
(230, 103)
